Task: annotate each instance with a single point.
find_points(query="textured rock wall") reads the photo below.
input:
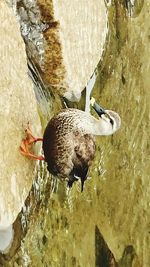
(17, 108)
(65, 40)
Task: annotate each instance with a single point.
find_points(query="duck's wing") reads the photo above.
(83, 156)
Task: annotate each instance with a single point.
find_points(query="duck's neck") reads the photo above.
(94, 126)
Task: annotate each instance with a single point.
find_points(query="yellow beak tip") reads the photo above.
(92, 101)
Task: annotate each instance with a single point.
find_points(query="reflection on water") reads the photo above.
(57, 227)
(103, 256)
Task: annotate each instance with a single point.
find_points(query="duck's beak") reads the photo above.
(99, 110)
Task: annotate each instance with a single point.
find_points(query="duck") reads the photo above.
(69, 141)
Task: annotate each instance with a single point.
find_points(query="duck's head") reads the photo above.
(110, 120)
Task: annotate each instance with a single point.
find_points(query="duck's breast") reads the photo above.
(58, 147)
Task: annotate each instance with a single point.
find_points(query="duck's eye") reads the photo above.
(111, 121)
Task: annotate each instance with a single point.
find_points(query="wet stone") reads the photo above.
(17, 108)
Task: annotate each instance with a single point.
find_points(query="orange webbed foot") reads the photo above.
(26, 144)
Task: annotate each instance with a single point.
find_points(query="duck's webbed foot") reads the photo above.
(26, 144)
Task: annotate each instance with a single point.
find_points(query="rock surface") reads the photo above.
(65, 39)
(17, 108)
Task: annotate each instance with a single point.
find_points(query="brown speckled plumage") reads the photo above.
(68, 141)
(68, 149)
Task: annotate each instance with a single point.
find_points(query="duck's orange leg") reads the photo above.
(26, 144)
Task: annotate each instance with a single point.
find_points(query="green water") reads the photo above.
(58, 227)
